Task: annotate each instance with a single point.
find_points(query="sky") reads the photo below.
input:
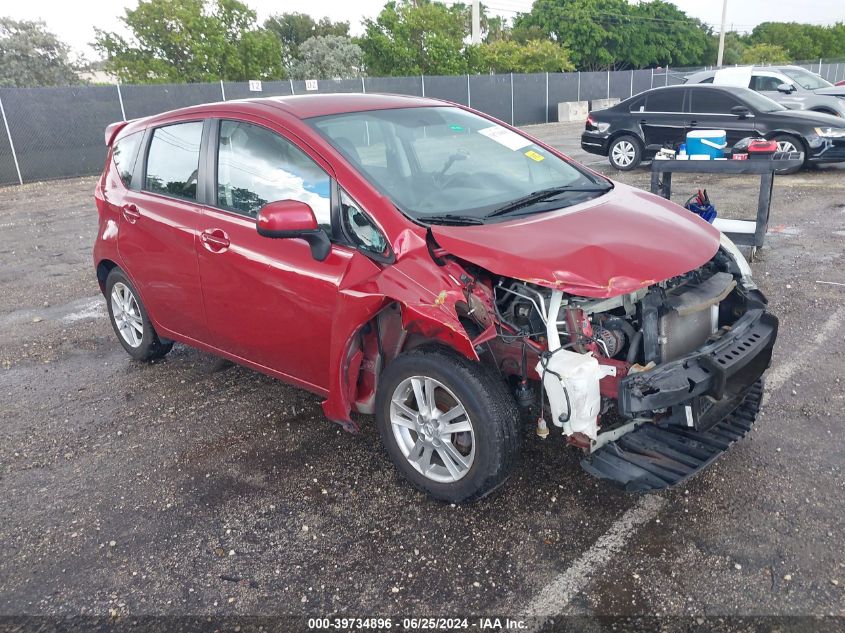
(74, 22)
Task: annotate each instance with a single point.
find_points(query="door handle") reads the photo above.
(215, 240)
(131, 213)
(643, 121)
(693, 123)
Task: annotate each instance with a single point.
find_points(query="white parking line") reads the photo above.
(555, 596)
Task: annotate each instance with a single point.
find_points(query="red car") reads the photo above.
(424, 263)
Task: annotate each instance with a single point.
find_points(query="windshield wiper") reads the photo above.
(545, 194)
(457, 220)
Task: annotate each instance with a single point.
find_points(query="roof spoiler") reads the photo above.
(112, 129)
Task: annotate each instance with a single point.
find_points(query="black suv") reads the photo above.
(634, 130)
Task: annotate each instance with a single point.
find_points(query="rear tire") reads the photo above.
(789, 143)
(467, 445)
(130, 320)
(625, 153)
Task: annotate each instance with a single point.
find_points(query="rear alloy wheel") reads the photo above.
(130, 321)
(449, 424)
(624, 153)
(789, 143)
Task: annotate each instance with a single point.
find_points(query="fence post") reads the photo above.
(632, 83)
(363, 87)
(666, 79)
(512, 117)
(120, 98)
(820, 65)
(652, 77)
(222, 90)
(578, 98)
(469, 99)
(292, 91)
(11, 144)
(547, 97)
(608, 83)
(422, 84)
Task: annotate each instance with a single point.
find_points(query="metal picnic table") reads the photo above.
(742, 232)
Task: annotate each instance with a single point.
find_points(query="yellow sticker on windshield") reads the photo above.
(534, 155)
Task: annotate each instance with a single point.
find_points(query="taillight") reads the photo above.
(591, 122)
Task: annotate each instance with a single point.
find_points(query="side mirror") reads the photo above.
(741, 111)
(787, 88)
(294, 219)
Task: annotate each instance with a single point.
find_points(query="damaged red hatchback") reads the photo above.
(422, 262)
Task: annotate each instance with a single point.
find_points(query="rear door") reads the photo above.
(710, 109)
(158, 229)
(663, 120)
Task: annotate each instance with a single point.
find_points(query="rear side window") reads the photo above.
(173, 160)
(762, 83)
(637, 105)
(712, 102)
(665, 101)
(124, 153)
(256, 166)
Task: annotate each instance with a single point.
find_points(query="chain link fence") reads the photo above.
(58, 132)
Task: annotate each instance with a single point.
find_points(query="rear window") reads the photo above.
(124, 153)
(665, 101)
(173, 160)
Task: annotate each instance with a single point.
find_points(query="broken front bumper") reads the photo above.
(706, 385)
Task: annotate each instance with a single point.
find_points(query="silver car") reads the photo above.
(795, 87)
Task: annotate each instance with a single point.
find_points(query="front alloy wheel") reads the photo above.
(432, 429)
(449, 424)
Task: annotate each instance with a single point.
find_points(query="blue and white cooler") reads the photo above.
(711, 143)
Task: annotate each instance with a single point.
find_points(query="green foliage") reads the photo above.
(32, 56)
(802, 41)
(615, 34)
(509, 56)
(294, 29)
(193, 41)
(764, 54)
(413, 37)
(328, 57)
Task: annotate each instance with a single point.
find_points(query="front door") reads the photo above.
(710, 109)
(268, 301)
(158, 229)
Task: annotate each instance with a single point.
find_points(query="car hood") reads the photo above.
(615, 244)
(809, 117)
(833, 91)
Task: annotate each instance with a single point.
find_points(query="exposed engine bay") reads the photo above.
(577, 355)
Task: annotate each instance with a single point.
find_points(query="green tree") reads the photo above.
(509, 56)
(765, 54)
(32, 56)
(191, 41)
(802, 41)
(293, 29)
(328, 57)
(413, 37)
(615, 34)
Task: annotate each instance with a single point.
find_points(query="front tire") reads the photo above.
(625, 153)
(789, 143)
(449, 424)
(130, 320)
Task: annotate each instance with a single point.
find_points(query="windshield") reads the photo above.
(759, 102)
(806, 79)
(447, 165)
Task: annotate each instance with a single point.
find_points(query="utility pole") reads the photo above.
(722, 34)
(476, 22)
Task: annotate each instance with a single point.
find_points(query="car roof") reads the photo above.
(307, 106)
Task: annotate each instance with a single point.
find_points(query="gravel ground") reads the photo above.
(192, 486)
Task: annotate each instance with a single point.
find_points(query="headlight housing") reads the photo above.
(830, 132)
(744, 268)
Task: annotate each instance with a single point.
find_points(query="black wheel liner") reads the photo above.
(653, 458)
